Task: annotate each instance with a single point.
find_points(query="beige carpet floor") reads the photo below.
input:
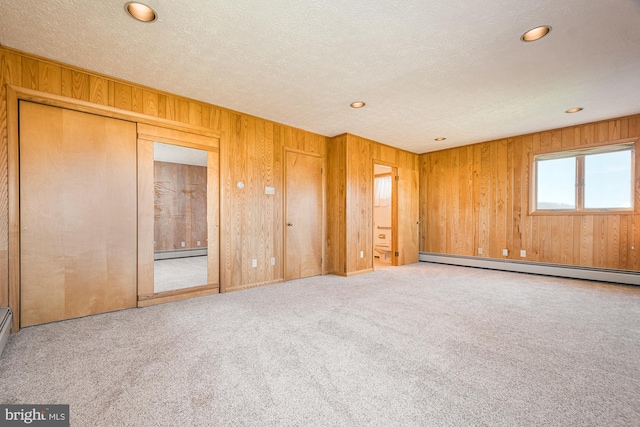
(179, 273)
(424, 344)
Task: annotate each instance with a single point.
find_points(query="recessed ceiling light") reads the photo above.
(535, 33)
(358, 104)
(440, 139)
(141, 12)
(573, 110)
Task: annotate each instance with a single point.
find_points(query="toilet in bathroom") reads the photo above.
(383, 250)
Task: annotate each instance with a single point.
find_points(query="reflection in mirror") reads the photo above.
(180, 217)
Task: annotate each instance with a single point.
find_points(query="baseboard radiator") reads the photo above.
(180, 253)
(6, 320)
(599, 274)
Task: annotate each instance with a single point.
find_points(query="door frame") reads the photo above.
(323, 230)
(146, 137)
(16, 94)
(394, 210)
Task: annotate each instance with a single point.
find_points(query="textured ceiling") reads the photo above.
(425, 69)
(176, 154)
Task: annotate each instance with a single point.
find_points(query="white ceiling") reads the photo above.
(176, 154)
(426, 69)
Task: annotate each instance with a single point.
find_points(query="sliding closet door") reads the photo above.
(77, 214)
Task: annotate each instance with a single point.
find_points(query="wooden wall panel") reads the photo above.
(497, 213)
(251, 150)
(180, 206)
(336, 205)
(350, 200)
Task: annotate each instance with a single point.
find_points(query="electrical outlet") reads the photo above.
(273, 260)
(505, 252)
(479, 251)
(254, 263)
(523, 253)
(198, 243)
(361, 254)
(183, 244)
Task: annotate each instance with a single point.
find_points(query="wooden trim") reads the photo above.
(104, 110)
(13, 184)
(145, 198)
(583, 212)
(161, 134)
(176, 295)
(254, 285)
(585, 146)
(296, 150)
(355, 273)
(145, 215)
(209, 147)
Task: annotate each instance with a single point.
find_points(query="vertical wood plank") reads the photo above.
(150, 103)
(50, 78)
(99, 90)
(30, 73)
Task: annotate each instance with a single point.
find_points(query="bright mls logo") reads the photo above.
(34, 415)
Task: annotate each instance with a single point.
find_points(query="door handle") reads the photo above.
(289, 224)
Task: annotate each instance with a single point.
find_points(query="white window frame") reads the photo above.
(579, 154)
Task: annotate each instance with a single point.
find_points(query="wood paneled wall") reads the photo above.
(477, 196)
(180, 206)
(251, 150)
(351, 159)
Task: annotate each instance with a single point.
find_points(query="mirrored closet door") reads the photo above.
(178, 216)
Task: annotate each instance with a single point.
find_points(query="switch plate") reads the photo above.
(523, 253)
(254, 263)
(183, 244)
(273, 260)
(361, 254)
(479, 251)
(269, 189)
(198, 243)
(505, 252)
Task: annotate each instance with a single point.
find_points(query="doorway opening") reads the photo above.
(382, 216)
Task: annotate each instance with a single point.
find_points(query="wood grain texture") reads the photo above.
(407, 214)
(176, 295)
(180, 206)
(251, 226)
(350, 201)
(496, 215)
(145, 217)
(78, 214)
(336, 206)
(304, 202)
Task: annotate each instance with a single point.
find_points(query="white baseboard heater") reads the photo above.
(586, 273)
(179, 253)
(6, 320)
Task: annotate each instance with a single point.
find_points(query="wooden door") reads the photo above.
(303, 215)
(77, 214)
(407, 217)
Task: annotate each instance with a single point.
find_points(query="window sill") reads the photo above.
(560, 212)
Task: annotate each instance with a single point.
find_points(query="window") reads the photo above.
(590, 179)
(382, 191)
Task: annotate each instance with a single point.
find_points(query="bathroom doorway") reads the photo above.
(383, 217)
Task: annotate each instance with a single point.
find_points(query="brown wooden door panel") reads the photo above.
(407, 217)
(77, 214)
(303, 216)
